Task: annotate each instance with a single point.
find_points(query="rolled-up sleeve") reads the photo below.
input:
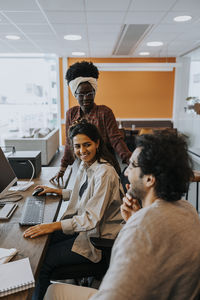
(66, 194)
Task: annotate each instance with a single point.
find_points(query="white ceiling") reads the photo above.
(41, 24)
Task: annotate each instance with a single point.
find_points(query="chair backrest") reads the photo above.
(87, 269)
(145, 131)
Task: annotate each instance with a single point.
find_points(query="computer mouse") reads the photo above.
(37, 191)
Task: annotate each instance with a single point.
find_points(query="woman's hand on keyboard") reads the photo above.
(42, 229)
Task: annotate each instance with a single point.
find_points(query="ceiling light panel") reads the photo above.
(78, 53)
(13, 37)
(72, 37)
(169, 17)
(144, 53)
(154, 44)
(182, 18)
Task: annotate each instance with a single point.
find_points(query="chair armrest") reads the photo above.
(101, 243)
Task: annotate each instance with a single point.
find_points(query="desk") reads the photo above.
(11, 233)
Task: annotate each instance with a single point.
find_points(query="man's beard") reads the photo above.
(137, 193)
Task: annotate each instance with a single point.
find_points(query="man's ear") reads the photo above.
(149, 180)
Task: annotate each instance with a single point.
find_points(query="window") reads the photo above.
(28, 95)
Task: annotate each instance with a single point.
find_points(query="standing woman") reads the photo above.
(82, 79)
(93, 210)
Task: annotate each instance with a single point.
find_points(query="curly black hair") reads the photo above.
(82, 126)
(84, 69)
(165, 156)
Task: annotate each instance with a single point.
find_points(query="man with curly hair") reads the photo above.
(156, 255)
(82, 80)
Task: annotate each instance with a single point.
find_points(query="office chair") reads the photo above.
(87, 270)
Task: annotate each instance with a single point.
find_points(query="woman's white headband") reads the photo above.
(73, 84)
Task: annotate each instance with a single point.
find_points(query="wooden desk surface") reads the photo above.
(11, 233)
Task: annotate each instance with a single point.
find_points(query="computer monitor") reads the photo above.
(7, 175)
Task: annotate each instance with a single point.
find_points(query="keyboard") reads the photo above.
(33, 211)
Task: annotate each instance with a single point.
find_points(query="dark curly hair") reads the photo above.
(165, 156)
(84, 127)
(84, 69)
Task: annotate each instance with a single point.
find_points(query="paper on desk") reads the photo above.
(6, 254)
(21, 186)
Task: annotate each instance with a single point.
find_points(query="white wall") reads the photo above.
(189, 124)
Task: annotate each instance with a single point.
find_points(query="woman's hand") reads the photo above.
(41, 229)
(129, 206)
(57, 178)
(47, 189)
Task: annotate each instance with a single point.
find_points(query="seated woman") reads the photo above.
(93, 210)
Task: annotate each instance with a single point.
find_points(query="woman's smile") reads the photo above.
(85, 149)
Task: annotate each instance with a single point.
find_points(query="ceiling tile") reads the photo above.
(68, 5)
(3, 20)
(187, 5)
(8, 29)
(105, 17)
(66, 17)
(143, 17)
(105, 5)
(18, 5)
(64, 29)
(151, 5)
(27, 17)
(101, 28)
(36, 28)
(171, 28)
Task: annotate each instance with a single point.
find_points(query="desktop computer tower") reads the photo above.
(25, 162)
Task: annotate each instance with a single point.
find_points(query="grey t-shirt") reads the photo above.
(156, 255)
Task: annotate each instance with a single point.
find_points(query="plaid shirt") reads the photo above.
(103, 117)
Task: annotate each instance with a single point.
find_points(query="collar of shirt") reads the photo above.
(91, 168)
(79, 112)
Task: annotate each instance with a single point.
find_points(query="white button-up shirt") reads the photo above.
(97, 213)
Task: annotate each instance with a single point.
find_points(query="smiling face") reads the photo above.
(84, 148)
(85, 95)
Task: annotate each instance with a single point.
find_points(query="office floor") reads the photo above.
(55, 162)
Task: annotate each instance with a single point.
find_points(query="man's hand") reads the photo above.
(129, 206)
(57, 178)
(41, 229)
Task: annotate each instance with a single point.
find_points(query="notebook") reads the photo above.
(16, 276)
(6, 254)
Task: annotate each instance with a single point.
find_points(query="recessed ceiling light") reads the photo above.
(182, 18)
(78, 53)
(144, 53)
(72, 37)
(154, 44)
(12, 37)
